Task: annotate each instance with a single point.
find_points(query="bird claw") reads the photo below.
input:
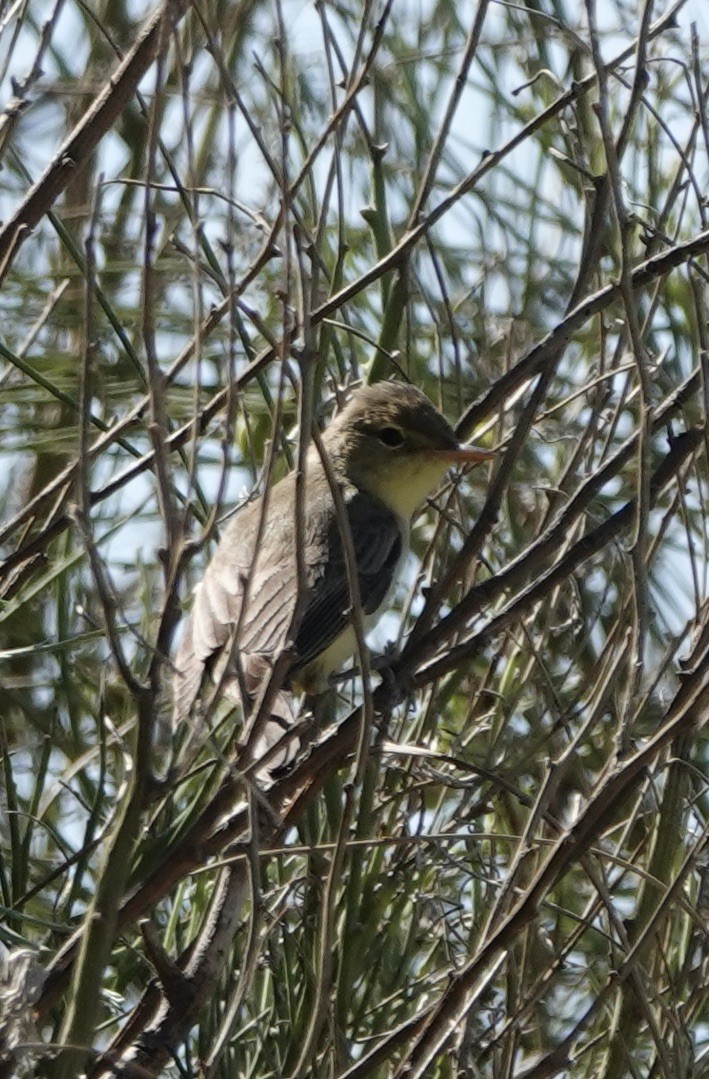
(396, 686)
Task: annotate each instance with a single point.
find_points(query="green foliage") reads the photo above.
(503, 874)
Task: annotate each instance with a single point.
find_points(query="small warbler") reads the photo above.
(388, 449)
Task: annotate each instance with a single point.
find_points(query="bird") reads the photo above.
(388, 449)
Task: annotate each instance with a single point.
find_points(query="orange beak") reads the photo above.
(465, 455)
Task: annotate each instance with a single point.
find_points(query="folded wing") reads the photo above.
(266, 622)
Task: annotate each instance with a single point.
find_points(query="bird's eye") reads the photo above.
(391, 436)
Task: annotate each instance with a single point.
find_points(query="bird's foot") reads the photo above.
(396, 685)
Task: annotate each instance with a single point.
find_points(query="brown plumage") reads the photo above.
(388, 449)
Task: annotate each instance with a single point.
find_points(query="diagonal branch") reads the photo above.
(89, 131)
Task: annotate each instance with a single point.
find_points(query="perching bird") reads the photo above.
(388, 449)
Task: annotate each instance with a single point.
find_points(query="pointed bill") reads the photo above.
(466, 455)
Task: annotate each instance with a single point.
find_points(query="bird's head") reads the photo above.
(390, 441)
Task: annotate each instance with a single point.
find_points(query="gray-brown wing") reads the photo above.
(217, 609)
(378, 545)
(267, 620)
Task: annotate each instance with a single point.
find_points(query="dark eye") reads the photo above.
(391, 436)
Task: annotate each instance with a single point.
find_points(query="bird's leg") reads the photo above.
(395, 687)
